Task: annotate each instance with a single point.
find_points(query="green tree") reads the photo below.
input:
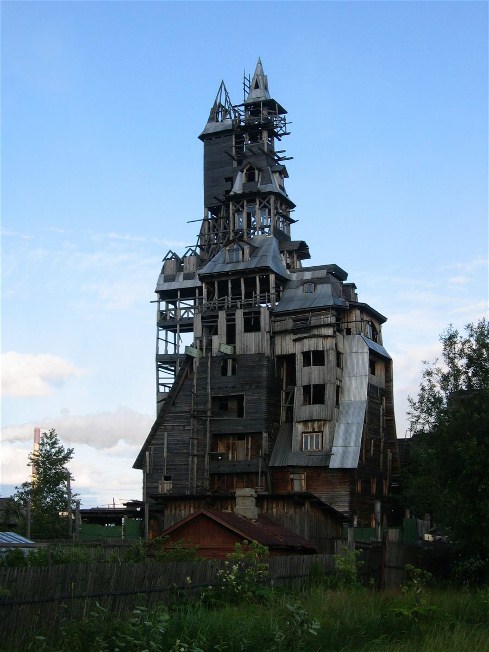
(47, 495)
(447, 474)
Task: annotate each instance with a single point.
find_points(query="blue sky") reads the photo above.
(102, 104)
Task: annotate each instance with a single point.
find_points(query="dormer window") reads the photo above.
(309, 288)
(234, 254)
(250, 174)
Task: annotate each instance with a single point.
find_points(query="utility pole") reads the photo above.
(70, 515)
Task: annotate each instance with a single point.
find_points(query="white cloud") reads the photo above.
(34, 374)
(16, 234)
(103, 430)
(105, 447)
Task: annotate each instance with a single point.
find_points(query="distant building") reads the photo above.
(285, 386)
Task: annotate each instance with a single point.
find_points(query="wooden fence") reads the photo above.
(42, 598)
(38, 598)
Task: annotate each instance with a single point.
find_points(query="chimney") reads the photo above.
(37, 439)
(246, 503)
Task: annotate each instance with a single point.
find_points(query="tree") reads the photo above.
(448, 472)
(47, 495)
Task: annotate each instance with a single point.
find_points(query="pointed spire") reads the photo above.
(259, 85)
(222, 109)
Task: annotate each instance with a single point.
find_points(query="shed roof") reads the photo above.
(283, 455)
(12, 539)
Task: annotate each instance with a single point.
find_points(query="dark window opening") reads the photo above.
(228, 367)
(313, 394)
(347, 331)
(222, 289)
(236, 288)
(339, 359)
(249, 287)
(313, 359)
(231, 328)
(229, 183)
(250, 174)
(251, 322)
(338, 393)
(371, 365)
(308, 288)
(228, 407)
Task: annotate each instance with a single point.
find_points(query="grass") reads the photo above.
(315, 620)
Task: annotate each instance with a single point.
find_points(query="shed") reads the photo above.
(215, 534)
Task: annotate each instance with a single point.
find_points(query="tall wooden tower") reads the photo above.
(286, 387)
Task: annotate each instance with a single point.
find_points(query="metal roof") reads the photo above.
(264, 254)
(349, 427)
(178, 282)
(294, 297)
(377, 348)
(283, 455)
(14, 539)
(348, 435)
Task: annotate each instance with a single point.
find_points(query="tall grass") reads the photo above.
(315, 620)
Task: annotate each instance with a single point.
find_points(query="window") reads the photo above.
(234, 254)
(339, 359)
(251, 322)
(338, 394)
(371, 367)
(308, 288)
(228, 367)
(312, 441)
(313, 394)
(313, 359)
(250, 174)
(228, 407)
(297, 482)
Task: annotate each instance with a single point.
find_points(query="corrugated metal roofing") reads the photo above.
(348, 432)
(378, 348)
(295, 298)
(283, 455)
(12, 538)
(179, 281)
(265, 254)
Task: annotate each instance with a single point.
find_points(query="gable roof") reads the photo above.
(263, 529)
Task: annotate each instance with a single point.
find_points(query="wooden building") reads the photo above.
(216, 531)
(285, 385)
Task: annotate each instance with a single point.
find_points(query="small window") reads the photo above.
(251, 322)
(250, 174)
(339, 359)
(313, 359)
(338, 394)
(228, 407)
(228, 367)
(297, 482)
(312, 441)
(313, 394)
(308, 288)
(234, 254)
(371, 366)
(359, 486)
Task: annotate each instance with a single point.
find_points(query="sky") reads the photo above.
(101, 174)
